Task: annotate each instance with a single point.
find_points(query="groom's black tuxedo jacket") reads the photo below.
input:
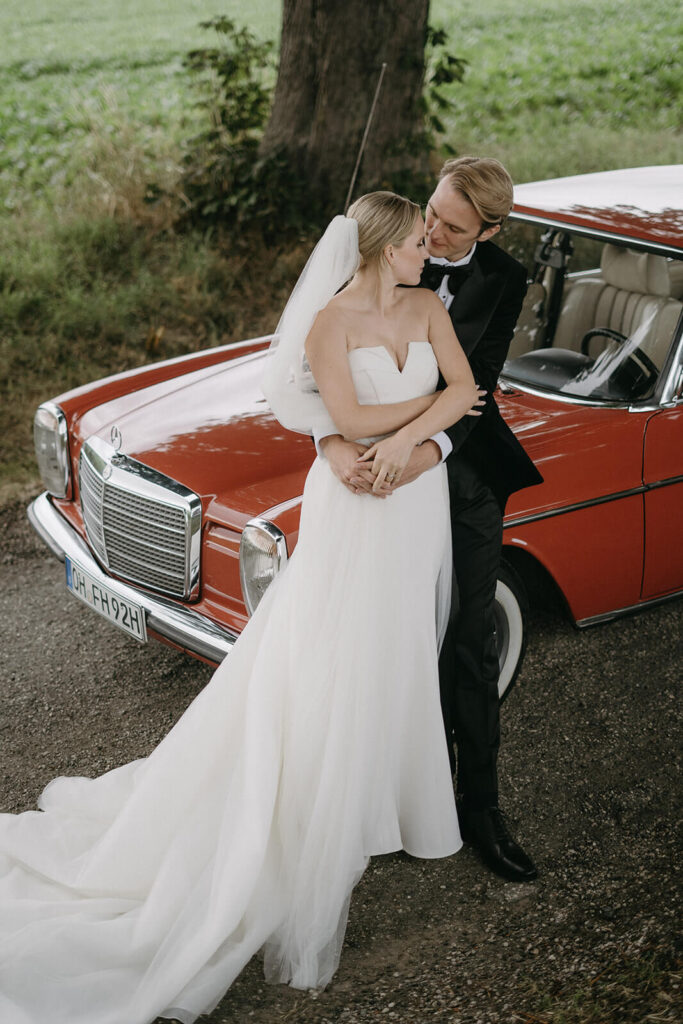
(484, 312)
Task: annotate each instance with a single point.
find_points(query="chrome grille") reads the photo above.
(92, 493)
(142, 525)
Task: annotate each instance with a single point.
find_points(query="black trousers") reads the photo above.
(468, 666)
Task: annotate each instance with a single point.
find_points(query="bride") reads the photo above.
(318, 742)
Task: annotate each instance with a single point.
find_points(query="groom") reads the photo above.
(482, 288)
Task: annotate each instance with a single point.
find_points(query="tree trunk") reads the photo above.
(330, 60)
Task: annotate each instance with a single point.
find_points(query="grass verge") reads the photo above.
(635, 989)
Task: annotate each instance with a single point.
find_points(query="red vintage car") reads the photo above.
(173, 495)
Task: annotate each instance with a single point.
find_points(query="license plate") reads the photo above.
(123, 613)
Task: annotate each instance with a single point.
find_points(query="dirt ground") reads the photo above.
(589, 780)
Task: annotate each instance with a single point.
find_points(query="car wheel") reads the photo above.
(510, 610)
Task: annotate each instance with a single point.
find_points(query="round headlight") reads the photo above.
(51, 440)
(263, 553)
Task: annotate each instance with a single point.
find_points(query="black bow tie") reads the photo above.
(434, 273)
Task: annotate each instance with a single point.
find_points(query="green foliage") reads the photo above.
(442, 69)
(236, 67)
(224, 179)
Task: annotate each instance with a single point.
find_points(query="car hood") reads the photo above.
(213, 431)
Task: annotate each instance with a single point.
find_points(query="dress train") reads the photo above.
(317, 744)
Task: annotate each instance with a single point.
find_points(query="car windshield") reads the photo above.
(598, 319)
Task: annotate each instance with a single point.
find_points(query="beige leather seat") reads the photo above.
(636, 293)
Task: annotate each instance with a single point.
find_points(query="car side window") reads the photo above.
(598, 320)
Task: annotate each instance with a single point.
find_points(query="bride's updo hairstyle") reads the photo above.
(383, 219)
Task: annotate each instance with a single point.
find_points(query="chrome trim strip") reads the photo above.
(648, 407)
(610, 236)
(555, 396)
(578, 506)
(668, 482)
(508, 385)
(674, 373)
(595, 620)
(180, 625)
(602, 500)
(284, 506)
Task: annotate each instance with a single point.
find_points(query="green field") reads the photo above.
(85, 67)
(551, 87)
(95, 104)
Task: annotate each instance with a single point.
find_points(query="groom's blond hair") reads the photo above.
(485, 183)
(384, 218)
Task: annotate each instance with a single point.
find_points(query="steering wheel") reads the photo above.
(605, 332)
(634, 377)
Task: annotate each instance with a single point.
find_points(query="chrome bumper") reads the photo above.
(181, 626)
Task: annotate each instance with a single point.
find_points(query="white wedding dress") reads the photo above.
(317, 744)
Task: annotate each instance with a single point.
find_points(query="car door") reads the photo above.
(663, 478)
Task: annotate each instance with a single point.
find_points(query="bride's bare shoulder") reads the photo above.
(334, 313)
(330, 324)
(337, 315)
(340, 304)
(419, 299)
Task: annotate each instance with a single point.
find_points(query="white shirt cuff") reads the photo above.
(320, 433)
(444, 442)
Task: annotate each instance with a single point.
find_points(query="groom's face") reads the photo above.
(452, 224)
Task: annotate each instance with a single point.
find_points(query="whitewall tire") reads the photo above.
(510, 616)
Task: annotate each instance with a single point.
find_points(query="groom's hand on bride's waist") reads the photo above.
(342, 457)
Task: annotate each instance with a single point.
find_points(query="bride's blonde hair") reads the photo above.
(384, 218)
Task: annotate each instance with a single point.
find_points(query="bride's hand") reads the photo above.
(389, 458)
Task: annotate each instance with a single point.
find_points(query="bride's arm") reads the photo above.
(328, 358)
(390, 457)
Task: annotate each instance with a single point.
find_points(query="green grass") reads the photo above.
(95, 105)
(552, 88)
(566, 88)
(633, 989)
(86, 61)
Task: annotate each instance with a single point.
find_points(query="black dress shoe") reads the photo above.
(487, 832)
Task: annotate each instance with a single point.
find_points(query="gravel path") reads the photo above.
(589, 771)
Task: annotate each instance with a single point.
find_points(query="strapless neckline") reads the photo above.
(383, 348)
